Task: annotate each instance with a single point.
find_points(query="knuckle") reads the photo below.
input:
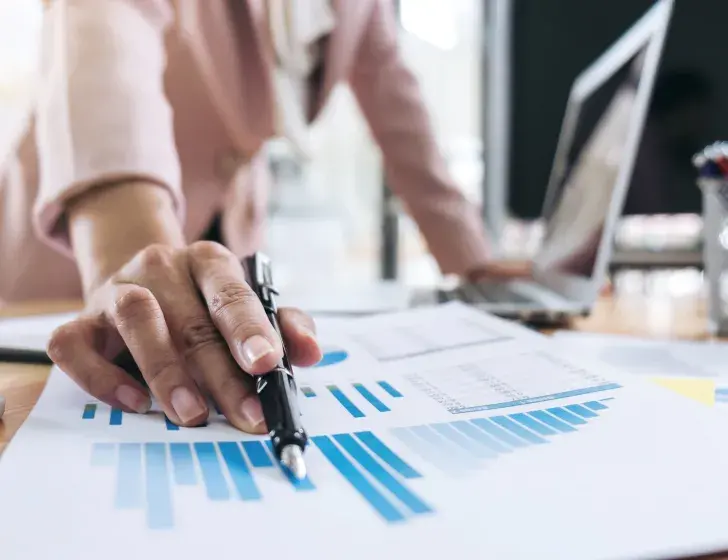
(135, 303)
(199, 333)
(162, 370)
(207, 250)
(157, 256)
(232, 295)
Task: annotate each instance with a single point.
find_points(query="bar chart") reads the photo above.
(379, 397)
(115, 417)
(148, 473)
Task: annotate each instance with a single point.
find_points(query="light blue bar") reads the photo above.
(171, 426)
(497, 432)
(472, 447)
(567, 416)
(160, 514)
(552, 421)
(391, 390)
(182, 464)
(533, 425)
(377, 447)
(345, 402)
(89, 411)
(515, 428)
(129, 476)
(103, 454)
(379, 473)
(357, 480)
(115, 418)
(581, 411)
(421, 447)
(452, 455)
(256, 454)
(301, 485)
(542, 398)
(480, 436)
(215, 483)
(595, 405)
(371, 397)
(239, 471)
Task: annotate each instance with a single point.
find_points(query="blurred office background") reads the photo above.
(495, 75)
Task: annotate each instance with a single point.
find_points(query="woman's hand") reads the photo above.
(192, 325)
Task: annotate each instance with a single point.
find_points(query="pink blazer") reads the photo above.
(180, 93)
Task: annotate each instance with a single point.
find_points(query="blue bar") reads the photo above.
(303, 485)
(373, 400)
(129, 476)
(171, 426)
(533, 425)
(517, 429)
(183, 464)
(256, 454)
(567, 416)
(89, 412)
(391, 390)
(595, 405)
(115, 418)
(308, 392)
(552, 421)
(357, 479)
(499, 433)
(159, 495)
(102, 454)
(345, 402)
(239, 471)
(421, 447)
(581, 411)
(211, 472)
(377, 447)
(480, 436)
(474, 448)
(379, 473)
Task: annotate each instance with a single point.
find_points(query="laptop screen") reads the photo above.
(587, 173)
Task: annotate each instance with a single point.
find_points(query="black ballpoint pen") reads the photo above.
(277, 389)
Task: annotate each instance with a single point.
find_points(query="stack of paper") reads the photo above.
(437, 433)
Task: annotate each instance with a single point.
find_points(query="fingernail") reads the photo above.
(255, 348)
(133, 399)
(185, 404)
(252, 411)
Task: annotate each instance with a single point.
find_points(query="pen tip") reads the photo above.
(292, 459)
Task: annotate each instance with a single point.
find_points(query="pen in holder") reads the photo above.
(712, 165)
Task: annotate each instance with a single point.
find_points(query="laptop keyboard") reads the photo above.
(483, 293)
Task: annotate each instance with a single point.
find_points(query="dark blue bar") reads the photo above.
(497, 432)
(89, 412)
(239, 471)
(532, 424)
(183, 464)
(303, 485)
(391, 390)
(377, 447)
(256, 454)
(480, 436)
(357, 479)
(215, 483)
(345, 402)
(474, 448)
(517, 429)
(102, 454)
(595, 405)
(371, 397)
(159, 496)
(171, 426)
(552, 421)
(403, 494)
(567, 416)
(115, 418)
(581, 411)
(129, 476)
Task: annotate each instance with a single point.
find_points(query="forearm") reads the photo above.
(109, 225)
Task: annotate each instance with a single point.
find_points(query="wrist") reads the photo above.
(109, 224)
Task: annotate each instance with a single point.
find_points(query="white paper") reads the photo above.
(638, 475)
(31, 333)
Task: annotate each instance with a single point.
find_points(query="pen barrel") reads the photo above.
(278, 398)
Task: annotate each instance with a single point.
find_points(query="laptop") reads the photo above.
(591, 172)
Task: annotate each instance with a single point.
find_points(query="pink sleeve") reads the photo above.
(102, 114)
(390, 99)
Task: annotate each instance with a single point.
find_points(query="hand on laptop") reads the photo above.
(500, 271)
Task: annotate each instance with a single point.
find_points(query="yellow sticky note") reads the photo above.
(701, 390)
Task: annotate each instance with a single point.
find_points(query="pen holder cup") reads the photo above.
(715, 252)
